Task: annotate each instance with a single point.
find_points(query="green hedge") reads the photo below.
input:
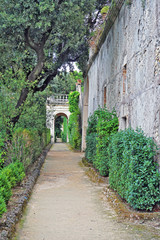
(91, 143)
(74, 130)
(101, 125)
(27, 145)
(3, 208)
(9, 177)
(133, 172)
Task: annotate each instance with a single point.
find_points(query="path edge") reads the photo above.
(12, 217)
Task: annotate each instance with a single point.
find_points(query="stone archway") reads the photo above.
(56, 106)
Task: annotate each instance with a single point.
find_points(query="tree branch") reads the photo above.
(45, 83)
(29, 41)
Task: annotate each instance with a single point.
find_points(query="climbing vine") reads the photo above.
(74, 130)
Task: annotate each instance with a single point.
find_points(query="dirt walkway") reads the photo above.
(65, 205)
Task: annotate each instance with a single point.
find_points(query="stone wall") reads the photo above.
(127, 68)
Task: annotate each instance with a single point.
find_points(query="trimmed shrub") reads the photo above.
(107, 125)
(91, 138)
(16, 173)
(9, 177)
(2, 206)
(133, 173)
(101, 125)
(74, 131)
(5, 187)
(91, 143)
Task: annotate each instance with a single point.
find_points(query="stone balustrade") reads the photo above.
(58, 99)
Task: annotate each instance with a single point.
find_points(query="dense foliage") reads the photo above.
(64, 83)
(65, 130)
(127, 156)
(27, 145)
(101, 125)
(133, 171)
(74, 131)
(9, 177)
(39, 39)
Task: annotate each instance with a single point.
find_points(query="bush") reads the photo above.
(101, 125)
(74, 131)
(107, 125)
(14, 173)
(5, 187)
(133, 173)
(91, 143)
(27, 145)
(2, 206)
(2, 152)
(9, 177)
(91, 138)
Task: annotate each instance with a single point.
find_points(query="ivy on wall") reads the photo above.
(74, 130)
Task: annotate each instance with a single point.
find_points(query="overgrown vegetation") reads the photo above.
(101, 125)
(74, 130)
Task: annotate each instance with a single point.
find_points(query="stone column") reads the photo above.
(52, 129)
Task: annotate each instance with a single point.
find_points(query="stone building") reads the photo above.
(124, 70)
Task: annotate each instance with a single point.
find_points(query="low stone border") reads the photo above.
(20, 197)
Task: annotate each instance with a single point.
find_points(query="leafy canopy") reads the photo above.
(38, 38)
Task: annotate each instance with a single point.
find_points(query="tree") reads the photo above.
(39, 37)
(64, 83)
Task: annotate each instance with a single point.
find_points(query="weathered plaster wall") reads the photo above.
(134, 41)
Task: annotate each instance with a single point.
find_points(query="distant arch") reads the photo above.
(56, 106)
(61, 114)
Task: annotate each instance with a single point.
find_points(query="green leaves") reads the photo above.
(74, 121)
(101, 125)
(9, 177)
(73, 101)
(133, 172)
(127, 156)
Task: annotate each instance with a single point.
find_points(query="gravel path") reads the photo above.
(66, 205)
